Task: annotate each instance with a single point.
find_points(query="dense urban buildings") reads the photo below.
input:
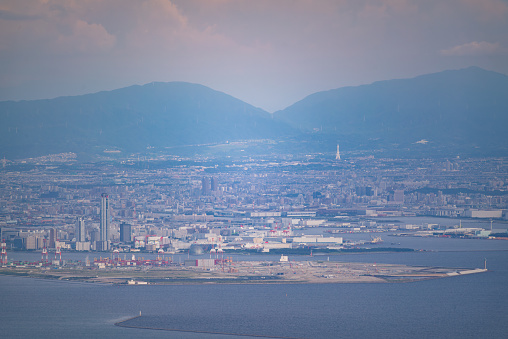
(173, 203)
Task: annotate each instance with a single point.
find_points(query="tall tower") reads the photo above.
(80, 230)
(104, 226)
(337, 155)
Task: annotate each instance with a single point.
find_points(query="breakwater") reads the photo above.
(124, 323)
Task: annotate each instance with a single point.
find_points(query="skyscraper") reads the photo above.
(205, 186)
(52, 238)
(104, 227)
(214, 184)
(80, 230)
(125, 232)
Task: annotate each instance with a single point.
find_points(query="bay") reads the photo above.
(468, 306)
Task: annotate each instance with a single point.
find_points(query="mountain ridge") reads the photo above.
(461, 111)
(453, 107)
(131, 119)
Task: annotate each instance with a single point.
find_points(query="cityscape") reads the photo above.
(262, 204)
(197, 169)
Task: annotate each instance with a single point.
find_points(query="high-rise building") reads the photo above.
(215, 184)
(104, 226)
(52, 238)
(398, 196)
(125, 232)
(81, 243)
(95, 235)
(80, 230)
(33, 242)
(205, 186)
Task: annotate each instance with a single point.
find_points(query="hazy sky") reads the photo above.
(269, 53)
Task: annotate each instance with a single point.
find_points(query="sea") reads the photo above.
(469, 306)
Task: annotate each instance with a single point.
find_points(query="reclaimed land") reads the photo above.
(241, 272)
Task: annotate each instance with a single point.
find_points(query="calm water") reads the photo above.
(470, 306)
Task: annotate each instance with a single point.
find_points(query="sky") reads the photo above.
(269, 53)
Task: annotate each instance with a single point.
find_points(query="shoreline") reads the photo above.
(246, 272)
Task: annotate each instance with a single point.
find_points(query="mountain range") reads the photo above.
(132, 119)
(462, 110)
(452, 112)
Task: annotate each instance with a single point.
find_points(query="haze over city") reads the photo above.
(267, 53)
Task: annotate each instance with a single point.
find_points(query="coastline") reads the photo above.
(246, 272)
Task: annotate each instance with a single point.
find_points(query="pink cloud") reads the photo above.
(85, 38)
(487, 9)
(474, 48)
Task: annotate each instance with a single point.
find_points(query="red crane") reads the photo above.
(44, 251)
(3, 259)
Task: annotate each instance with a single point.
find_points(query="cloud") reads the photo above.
(268, 53)
(487, 9)
(85, 38)
(474, 48)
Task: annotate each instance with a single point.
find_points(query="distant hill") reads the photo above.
(130, 119)
(462, 111)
